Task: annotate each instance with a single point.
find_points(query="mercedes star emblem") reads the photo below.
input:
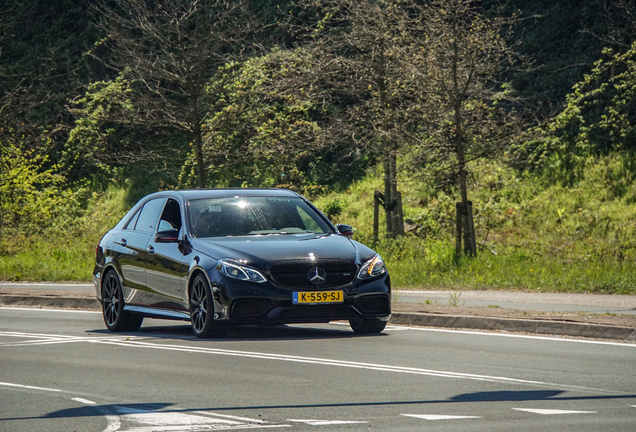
(317, 276)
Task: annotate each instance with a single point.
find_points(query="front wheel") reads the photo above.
(367, 326)
(202, 310)
(115, 318)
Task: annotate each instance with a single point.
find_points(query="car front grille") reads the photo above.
(295, 274)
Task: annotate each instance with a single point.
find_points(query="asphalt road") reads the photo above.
(62, 371)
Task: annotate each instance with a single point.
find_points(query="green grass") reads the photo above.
(533, 233)
(65, 252)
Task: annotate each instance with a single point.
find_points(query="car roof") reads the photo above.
(192, 194)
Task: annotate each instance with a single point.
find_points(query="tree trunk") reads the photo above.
(198, 152)
(396, 203)
(388, 197)
(466, 207)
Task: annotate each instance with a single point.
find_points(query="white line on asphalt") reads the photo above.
(31, 387)
(401, 328)
(50, 310)
(46, 339)
(553, 411)
(136, 343)
(112, 423)
(326, 422)
(439, 417)
(84, 401)
(320, 361)
(247, 419)
(512, 335)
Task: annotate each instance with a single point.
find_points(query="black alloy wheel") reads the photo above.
(202, 310)
(367, 326)
(115, 318)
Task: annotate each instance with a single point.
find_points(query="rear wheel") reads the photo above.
(115, 318)
(202, 310)
(367, 326)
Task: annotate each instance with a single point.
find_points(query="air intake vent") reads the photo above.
(374, 304)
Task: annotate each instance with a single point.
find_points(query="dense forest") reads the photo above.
(525, 110)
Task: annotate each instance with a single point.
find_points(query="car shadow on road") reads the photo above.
(244, 333)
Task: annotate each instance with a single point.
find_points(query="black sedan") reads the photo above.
(237, 257)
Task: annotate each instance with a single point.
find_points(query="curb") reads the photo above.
(596, 331)
(54, 302)
(547, 327)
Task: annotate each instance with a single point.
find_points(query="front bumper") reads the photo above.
(248, 303)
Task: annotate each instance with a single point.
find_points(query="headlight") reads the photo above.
(372, 268)
(235, 270)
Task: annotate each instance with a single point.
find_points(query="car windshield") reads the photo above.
(241, 216)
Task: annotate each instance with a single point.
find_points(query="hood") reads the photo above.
(263, 251)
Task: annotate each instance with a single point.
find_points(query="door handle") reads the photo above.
(151, 250)
(123, 242)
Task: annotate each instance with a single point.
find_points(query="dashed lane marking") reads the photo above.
(84, 401)
(6, 384)
(553, 411)
(439, 417)
(326, 422)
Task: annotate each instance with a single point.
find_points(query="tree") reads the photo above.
(170, 50)
(363, 49)
(465, 116)
(273, 124)
(599, 118)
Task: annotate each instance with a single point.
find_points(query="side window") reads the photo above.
(171, 216)
(149, 215)
(131, 223)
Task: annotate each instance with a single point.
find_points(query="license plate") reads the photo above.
(322, 297)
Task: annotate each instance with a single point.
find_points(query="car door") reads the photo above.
(166, 274)
(133, 255)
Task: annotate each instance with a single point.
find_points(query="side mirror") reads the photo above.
(167, 236)
(345, 230)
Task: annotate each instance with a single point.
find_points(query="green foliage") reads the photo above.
(65, 251)
(530, 235)
(101, 116)
(266, 129)
(33, 197)
(599, 118)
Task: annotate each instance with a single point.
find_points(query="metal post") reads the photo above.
(376, 215)
(458, 228)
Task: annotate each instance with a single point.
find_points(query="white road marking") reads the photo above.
(401, 328)
(326, 422)
(137, 343)
(112, 423)
(158, 421)
(47, 339)
(553, 411)
(521, 336)
(31, 387)
(247, 419)
(439, 417)
(84, 401)
(320, 361)
(50, 310)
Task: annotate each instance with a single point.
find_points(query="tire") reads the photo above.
(202, 310)
(367, 326)
(115, 318)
